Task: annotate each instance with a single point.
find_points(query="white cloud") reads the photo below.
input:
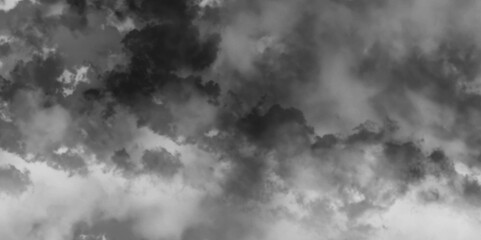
(7, 5)
(408, 219)
(56, 201)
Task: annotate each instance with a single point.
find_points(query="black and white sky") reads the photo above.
(240, 119)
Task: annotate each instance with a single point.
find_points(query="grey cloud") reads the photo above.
(161, 161)
(12, 180)
(244, 120)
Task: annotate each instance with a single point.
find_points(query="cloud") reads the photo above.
(412, 220)
(49, 209)
(262, 120)
(7, 5)
(13, 180)
(42, 127)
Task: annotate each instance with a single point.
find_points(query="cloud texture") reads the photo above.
(240, 120)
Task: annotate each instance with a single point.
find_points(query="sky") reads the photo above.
(240, 120)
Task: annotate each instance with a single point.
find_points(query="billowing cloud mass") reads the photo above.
(240, 120)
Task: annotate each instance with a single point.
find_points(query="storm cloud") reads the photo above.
(240, 120)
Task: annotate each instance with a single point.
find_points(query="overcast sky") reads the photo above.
(240, 120)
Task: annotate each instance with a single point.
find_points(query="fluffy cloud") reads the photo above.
(6, 5)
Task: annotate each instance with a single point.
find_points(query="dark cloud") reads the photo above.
(11, 137)
(162, 162)
(122, 159)
(471, 190)
(276, 124)
(39, 73)
(327, 141)
(118, 230)
(430, 196)
(250, 119)
(78, 5)
(177, 46)
(162, 10)
(12, 180)
(5, 49)
(407, 161)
